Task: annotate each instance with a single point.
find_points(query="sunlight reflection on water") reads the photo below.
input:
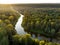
(18, 27)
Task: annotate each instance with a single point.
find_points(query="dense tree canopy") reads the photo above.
(7, 26)
(43, 21)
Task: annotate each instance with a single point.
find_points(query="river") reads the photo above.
(18, 27)
(20, 30)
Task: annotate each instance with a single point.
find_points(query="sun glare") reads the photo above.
(27, 1)
(6, 1)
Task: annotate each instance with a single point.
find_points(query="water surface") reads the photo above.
(18, 27)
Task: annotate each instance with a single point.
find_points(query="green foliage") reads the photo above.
(7, 26)
(3, 37)
(43, 21)
(24, 40)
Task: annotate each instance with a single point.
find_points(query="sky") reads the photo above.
(28, 1)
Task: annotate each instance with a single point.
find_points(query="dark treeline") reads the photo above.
(38, 5)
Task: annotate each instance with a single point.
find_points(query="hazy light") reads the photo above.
(28, 1)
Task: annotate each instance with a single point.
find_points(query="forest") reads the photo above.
(43, 21)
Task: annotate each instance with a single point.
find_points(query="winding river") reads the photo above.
(18, 27)
(20, 30)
